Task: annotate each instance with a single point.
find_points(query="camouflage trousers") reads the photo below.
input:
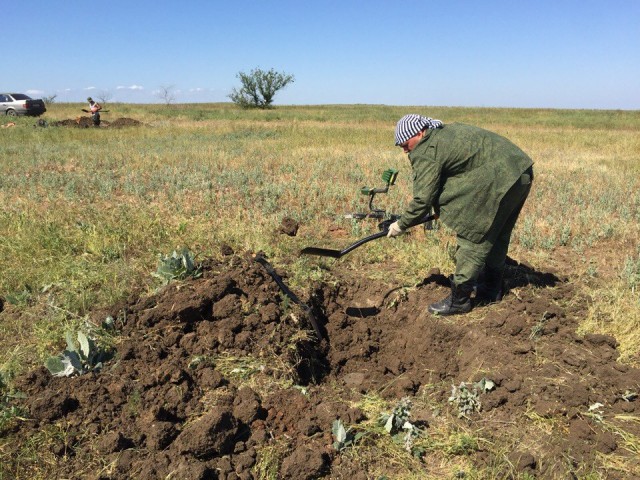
(471, 258)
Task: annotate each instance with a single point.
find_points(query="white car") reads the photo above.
(14, 104)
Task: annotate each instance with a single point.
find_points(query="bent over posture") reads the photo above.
(477, 182)
(94, 108)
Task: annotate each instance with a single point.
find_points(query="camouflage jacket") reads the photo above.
(463, 172)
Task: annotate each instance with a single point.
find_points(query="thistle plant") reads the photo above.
(466, 396)
(398, 425)
(466, 399)
(344, 437)
(78, 358)
(177, 266)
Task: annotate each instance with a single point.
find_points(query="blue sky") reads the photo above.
(496, 53)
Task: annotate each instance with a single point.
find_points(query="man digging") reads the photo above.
(477, 183)
(94, 109)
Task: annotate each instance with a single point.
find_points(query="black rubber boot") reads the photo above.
(491, 288)
(458, 301)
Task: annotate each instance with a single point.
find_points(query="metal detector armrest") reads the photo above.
(389, 176)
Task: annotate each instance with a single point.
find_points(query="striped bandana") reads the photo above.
(411, 124)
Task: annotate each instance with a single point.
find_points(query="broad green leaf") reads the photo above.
(74, 359)
(389, 425)
(340, 433)
(71, 344)
(60, 366)
(85, 349)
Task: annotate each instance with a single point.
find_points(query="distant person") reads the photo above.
(477, 182)
(94, 109)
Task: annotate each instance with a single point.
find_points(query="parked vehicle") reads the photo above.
(14, 104)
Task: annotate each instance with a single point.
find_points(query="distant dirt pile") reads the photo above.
(70, 122)
(201, 381)
(124, 122)
(86, 122)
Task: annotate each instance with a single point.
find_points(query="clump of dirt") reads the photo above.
(177, 401)
(289, 227)
(226, 250)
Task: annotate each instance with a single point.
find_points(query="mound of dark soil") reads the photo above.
(175, 401)
(125, 122)
(86, 122)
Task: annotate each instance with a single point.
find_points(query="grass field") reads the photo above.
(85, 213)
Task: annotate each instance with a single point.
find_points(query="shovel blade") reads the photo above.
(323, 252)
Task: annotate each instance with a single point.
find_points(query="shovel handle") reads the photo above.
(361, 242)
(383, 233)
(325, 252)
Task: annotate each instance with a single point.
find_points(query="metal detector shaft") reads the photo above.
(327, 252)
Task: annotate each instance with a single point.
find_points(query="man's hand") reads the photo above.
(394, 230)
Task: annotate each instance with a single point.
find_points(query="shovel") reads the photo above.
(270, 270)
(89, 111)
(327, 252)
